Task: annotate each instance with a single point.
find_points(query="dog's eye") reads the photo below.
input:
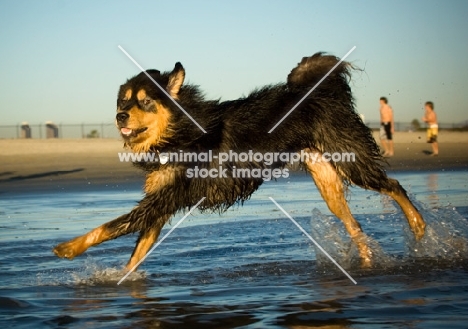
(146, 101)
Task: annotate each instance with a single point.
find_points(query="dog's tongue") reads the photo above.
(126, 131)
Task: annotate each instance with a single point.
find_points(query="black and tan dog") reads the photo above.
(325, 121)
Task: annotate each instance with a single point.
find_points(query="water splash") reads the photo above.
(91, 273)
(444, 243)
(445, 237)
(94, 273)
(330, 233)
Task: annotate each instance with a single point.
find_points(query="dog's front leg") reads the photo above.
(148, 218)
(145, 241)
(108, 231)
(154, 211)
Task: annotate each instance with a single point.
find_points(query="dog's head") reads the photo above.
(143, 109)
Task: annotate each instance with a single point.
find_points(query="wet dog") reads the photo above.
(325, 121)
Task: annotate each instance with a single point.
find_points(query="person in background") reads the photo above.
(387, 127)
(430, 118)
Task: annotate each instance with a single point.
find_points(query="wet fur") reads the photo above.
(325, 122)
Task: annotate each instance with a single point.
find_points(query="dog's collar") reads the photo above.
(163, 158)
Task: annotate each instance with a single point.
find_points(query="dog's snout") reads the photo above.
(121, 117)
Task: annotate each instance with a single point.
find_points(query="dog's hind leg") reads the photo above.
(398, 193)
(108, 231)
(369, 174)
(330, 185)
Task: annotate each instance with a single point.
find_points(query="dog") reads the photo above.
(149, 120)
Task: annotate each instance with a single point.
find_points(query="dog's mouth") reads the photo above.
(127, 132)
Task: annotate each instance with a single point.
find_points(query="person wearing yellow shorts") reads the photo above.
(430, 117)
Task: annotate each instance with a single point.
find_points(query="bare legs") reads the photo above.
(388, 147)
(435, 149)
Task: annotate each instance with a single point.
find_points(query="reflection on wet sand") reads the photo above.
(432, 187)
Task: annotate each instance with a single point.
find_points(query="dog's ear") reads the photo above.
(154, 73)
(176, 79)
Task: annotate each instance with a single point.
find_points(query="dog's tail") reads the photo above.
(311, 69)
(334, 122)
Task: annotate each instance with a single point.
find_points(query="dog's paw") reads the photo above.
(419, 230)
(365, 252)
(69, 249)
(366, 261)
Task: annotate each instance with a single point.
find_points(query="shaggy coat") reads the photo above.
(325, 121)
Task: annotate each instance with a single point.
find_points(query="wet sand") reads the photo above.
(57, 165)
(413, 153)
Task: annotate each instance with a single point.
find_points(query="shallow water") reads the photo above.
(250, 268)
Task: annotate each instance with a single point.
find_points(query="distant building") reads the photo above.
(52, 130)
(25, 130)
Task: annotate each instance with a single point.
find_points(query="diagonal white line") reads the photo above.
(162, 89)
(313, 88)
(312, 239)
(160, 241)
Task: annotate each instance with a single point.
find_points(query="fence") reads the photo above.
(108, 130)
(50, 130)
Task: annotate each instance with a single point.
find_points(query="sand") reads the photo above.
(413, 153)
(60, 165)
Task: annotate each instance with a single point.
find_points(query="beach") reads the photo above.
(63, 164)
(249, 268)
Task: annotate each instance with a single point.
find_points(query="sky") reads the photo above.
(59, 60)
